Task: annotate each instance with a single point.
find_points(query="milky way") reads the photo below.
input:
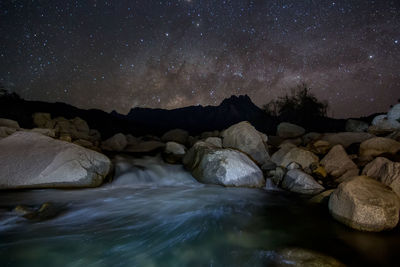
(169, 54)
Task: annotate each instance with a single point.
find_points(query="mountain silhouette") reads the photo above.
(142, 121)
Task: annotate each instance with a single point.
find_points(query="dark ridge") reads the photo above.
(142, 121)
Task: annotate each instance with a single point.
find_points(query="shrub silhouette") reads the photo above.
(301, 106)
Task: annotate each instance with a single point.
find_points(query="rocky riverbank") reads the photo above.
(356, 172)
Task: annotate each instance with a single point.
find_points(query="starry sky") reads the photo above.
(115, 55)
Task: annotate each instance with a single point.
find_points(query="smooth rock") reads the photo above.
(115, 143)
(365, 204)
(245, 138)
(227, 167)
(9, 123)
(174, 152)
(379, 145)
(6, 131)
(299, 182)
(287, 130)
(44, 131)
(301, 156)
(277, 157)
(32, 160)
(385, 171)
(300, 257)
(216, 141)
(337, 162)
(394, 113)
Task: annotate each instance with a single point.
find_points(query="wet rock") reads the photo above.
(304, 258)
(227, 167)
(276, 175)
(177, 135)
(174, 152)
(379, 145)
(385, 171)
(287, 130)
(337, 162)
(32, 160)
(46, 211)
(245, 138)
(299, 182)
(365, 204)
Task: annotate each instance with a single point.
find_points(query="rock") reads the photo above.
(337, 162)
(299, 182)
(216, 141)
(394, 135)
(301, 156)
(177, 135)
(80, 125)
(115, 143)
(381, 124)
(192, 140)
(65, 138)
(295, 141)
(293, 166)
(44, 131)
(287, 130)
(365, 204)
(205, 135)
(379, 145)
(6, 131)
(310, 137)
(9, 123)
(245, 138)
(347, 175)
(320, 147)
(227, 167)
(268, 166)
(356, 126)
(277, 175)
(145, 147)
(94, 136)
(41, 119)
(32, 160)
(385, 171)
(132, 140)
(318, 171)
(275, 141)
(346, 138)
(84, 143)
(46, 211)
(322, 198)
(174, 152)
(278, 156)
(394, 113)
(300, 257)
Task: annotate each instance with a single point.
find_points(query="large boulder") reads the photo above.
(115, 143)
(365, 204)
(216, 141)
(356, 126)
(277, 157)
(379, 145)
(301, 156)
(32, 160)
(385, 171)
(287, 130)
(299, 182)
(337, 162)
(381, 124)
(245, 138)
(227, 167)
(9, 123)
(177, 135)
(346, 138)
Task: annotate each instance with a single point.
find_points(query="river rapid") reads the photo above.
(156, 214)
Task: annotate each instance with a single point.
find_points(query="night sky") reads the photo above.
(169, 54)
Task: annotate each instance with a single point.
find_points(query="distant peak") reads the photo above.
(234, 99)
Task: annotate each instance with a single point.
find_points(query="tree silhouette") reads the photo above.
(301, 106)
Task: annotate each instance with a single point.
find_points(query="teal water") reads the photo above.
(155, 214)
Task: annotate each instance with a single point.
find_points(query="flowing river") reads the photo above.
(156, 214)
